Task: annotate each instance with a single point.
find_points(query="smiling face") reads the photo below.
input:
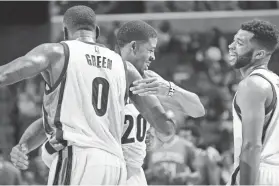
(143, 54)
(241, 50)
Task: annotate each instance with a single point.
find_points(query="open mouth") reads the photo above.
(232, 56)
(147, 65)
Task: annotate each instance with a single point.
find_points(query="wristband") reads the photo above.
(171, 89)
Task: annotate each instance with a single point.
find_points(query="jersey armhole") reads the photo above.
(274, 97)
(63, 72)
(127, 84)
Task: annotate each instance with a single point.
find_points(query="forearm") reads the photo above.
(249, 164)
(189, 101)
(34, 135)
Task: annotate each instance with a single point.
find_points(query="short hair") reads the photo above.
(265, 33)
(194, 130)
(135, 31)
(80, 18)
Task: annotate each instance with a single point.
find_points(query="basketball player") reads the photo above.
(135, 126)
(255, 105)
(135, 48)
(84, 101)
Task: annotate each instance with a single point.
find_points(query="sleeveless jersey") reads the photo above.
(133, 138)
(173, 156)
(270, 136)
(85, 106)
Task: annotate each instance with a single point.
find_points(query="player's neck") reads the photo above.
(246, 71)
(261, 63)
(85, 36)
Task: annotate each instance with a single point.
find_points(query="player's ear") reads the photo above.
(260, 54)
(133, 46)
(97, 32)
(66, 33)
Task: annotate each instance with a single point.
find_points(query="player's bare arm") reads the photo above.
(33, 137)
(251, 98)
(149, 106)
(181, 101)
(36, 61)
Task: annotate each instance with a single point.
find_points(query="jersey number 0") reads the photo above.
(100, 91)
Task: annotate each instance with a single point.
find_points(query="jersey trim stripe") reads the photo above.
(64, 167)
(47, 127)
(269, 108)
(58, 168)
(67, 55)
(274, 99)
(127, 86)
(57, 122)
(69, 166)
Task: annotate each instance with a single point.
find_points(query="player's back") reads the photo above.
(133, 138)
(86, 105)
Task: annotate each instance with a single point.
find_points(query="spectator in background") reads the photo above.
(215, 38)
(29, 178)
(227, 167)
(181, 6)
(206, 158)
(172, 164)
(9, 175)
(111, 39)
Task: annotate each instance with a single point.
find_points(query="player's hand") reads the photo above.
(19, 156)
(151, 86)
(151, 140)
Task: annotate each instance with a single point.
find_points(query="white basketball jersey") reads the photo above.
(133, 138)
(270, 149)
(85, 107)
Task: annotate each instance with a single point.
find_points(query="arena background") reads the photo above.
(192, 52)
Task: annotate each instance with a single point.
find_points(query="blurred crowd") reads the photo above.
(120, 7)
(196, 61)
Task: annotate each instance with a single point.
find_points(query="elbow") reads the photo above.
(250, 146)
(2, 80)
(249, 149)
(199, 111)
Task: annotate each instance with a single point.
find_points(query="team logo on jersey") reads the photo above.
(97, 50)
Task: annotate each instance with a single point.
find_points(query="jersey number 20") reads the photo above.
(100, 91)
(141, 129)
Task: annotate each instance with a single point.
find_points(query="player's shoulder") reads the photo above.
(255, 84)
(150, 73)
(131, 69)
(50, 48)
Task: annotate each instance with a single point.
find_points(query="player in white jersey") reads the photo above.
(137, 45)
(255, 106)
(83, 103)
